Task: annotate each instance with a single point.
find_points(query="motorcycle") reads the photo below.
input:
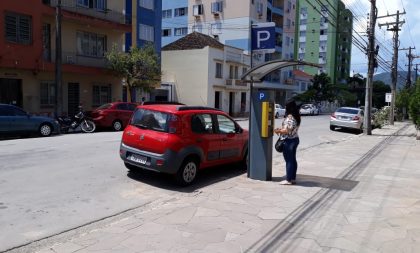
(67, 123)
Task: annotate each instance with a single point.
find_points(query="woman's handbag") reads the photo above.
(279, 145)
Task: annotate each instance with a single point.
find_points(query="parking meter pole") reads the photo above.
(260, 148)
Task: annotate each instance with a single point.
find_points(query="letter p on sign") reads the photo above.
(262, 36)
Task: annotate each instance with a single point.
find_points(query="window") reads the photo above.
(304, 11)
(197, 28)
(97, 4)
(18, 28)
(244, 70)
(324, 8)
(181, 11)
(219, 70)
(287, 41)
(91, 44)
(101, 94)
(122, 106)
(236, 75)
(166, 32)
(46, 41)
(202, 124)
(302, 34)
(288, 23)
(181, 31)
(47, 93)
(146, 32)
(148, 4)
(198, 9)
(226, 125)
(167, 14)
(216, 7)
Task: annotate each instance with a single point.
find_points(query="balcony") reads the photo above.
(97, 12)
(302, 28)
(303, 16)
(323, 37)
(302, 50)
(322, 61)
(302, 39)
(236, 82)
(72, 58)
(322, 49)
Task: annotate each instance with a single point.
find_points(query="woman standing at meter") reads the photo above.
(289, 132)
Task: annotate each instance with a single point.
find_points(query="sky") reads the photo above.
(409, 35)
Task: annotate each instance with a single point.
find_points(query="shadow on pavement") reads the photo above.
(204, 178)
(323, 182)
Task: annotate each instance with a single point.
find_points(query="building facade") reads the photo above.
(321, 28)
(227, 21)
(209, 74)
(174, 20)
(27, 53)
(344, 43)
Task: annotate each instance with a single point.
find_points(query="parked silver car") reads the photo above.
(309, 109)
(279, 111)
(347, 117)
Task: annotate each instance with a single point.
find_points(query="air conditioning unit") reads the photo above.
(70, 59)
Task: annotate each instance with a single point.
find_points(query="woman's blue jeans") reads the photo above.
(289, 154)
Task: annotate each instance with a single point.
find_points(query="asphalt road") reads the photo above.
(55, 184)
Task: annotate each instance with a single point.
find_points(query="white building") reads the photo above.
(205, 72)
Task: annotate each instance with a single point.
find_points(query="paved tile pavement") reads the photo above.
(359, 195)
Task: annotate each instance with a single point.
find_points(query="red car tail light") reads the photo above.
(333, 115)
(174, 124)
(356, 117)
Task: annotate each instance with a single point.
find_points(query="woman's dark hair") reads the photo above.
(293, 109)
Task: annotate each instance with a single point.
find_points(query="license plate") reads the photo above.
(344, 117)
(137, 158)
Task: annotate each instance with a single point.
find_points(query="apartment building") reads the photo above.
(205, 72)
(226, 21)
(283, 14)
(323, 37)
(174, 20)
(27, 53)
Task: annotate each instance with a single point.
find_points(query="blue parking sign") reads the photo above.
(264, 37)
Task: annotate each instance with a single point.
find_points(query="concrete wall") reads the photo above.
(188, 71)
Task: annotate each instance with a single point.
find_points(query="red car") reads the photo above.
(115, 115)
(180, 140)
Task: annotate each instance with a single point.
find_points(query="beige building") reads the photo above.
(205, 72)
(27, 68)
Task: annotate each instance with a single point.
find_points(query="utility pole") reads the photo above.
(410, 62)
(395, 27)
(58, 73)
(367, 129)
(416, 73)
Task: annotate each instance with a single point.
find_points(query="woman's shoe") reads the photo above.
(285, 182)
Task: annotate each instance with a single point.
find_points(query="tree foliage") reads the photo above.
(320, 90)
(414, 106)
(140, 67)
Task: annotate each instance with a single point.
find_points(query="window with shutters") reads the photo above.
(91, 44)
(101, 94)
(18, 28)
(147, 32)
(47, 93)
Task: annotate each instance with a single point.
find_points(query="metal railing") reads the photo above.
(97, 12)
(73, 58)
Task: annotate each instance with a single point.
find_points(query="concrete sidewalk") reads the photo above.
(358, 195)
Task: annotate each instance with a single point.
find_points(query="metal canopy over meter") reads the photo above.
(261, 120)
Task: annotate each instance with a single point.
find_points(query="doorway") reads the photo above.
(217, 99)
(231, 103)
(11, 91)
(73, 98)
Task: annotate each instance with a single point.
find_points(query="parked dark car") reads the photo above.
(181, 140)
(113, 115)
(15, 121)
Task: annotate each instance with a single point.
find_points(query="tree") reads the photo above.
(414, 106)
(378, 94)
(140, 67)
(320, 90)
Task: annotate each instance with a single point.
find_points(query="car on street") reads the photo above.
(279, 111)
(309, 109)
(181, 140)
(113, 115)
(348, 118)
(16, 122)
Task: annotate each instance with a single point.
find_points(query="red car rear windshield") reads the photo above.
(148, 119)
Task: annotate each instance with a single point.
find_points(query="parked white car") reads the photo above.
(347, 117)
(279, 111)
(309, 109)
